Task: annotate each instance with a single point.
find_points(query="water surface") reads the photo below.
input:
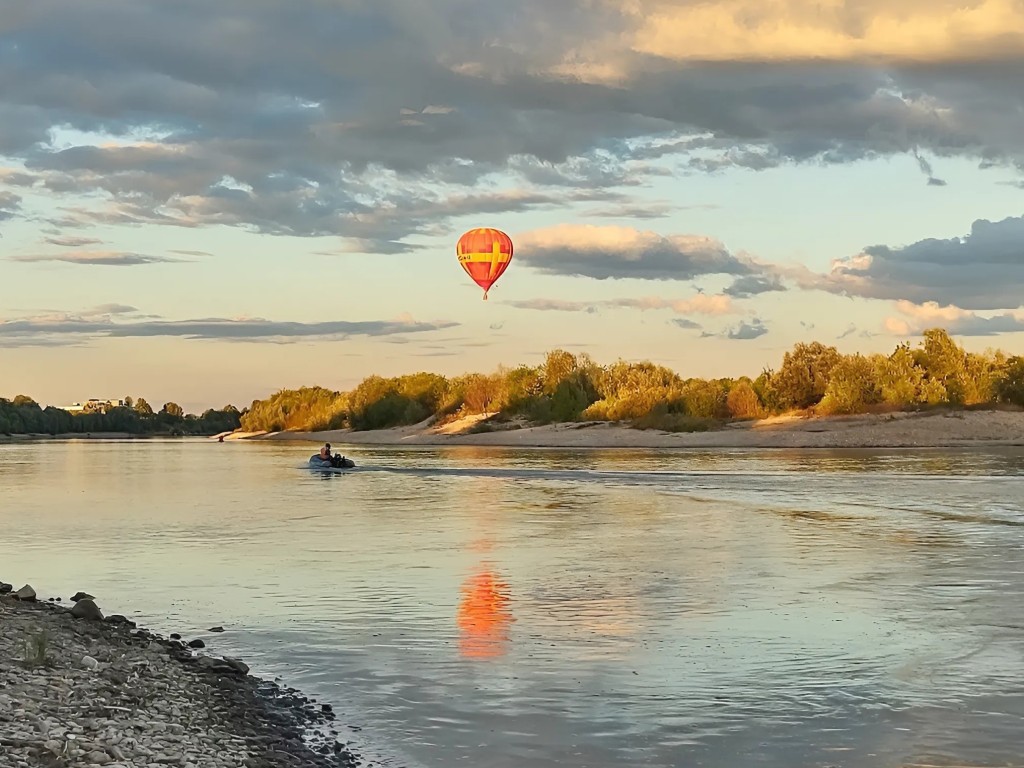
(498, 607)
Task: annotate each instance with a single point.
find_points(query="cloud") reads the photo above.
(555, 305)
(70, 241)
(100, 322)
(701, 304)
(111, 309)
(957, 321)
(788, 30)
(685, 324)
(982, 270)
(926, 169)
(746, 331)
(623, 252)
(632, 211)
(16, 178)
(100, 258)
(304, 118)
(10, 204)
(753, 285)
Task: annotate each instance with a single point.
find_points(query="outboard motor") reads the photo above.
(342, 463)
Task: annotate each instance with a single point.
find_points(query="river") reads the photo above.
(505, 607)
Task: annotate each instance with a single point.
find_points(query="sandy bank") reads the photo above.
(80, 689)
(896, 430)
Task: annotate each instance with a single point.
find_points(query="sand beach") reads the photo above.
(932, 429)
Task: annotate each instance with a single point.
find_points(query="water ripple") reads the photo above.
(564, 608)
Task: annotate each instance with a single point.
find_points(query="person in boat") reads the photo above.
(336, 460)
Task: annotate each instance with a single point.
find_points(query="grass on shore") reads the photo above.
(37, 650)
(677, 422)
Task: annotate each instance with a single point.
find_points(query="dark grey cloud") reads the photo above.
(743, 332)
(307, 118)
(983, 270)
(632, 211)
(97, 258)
(15, 178)
(686, 324)
(747, 331)
(926, 169)
(619, 252)
(47, 329)
(10, 204)
(753, 285)
(71, 241)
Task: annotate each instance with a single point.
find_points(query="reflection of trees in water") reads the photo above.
(484, 616)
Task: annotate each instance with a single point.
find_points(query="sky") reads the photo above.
(205, 201)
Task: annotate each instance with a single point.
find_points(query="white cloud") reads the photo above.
(918, 318)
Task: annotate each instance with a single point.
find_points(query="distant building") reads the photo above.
(93, 404)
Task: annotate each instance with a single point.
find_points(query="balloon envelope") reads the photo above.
(485, 254)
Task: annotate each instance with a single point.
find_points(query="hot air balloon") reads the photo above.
(485, 254)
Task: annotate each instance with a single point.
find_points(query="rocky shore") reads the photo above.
(78, 688)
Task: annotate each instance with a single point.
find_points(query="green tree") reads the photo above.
(480, 392)
(852, 386)
(706, 399)
(804, 375)
(743, 402)
(1009, 387)
(945, 362)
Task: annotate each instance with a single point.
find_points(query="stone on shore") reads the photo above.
(87, 609)
(5, 588)
(81, 596)
(226, 665)
(26, 593)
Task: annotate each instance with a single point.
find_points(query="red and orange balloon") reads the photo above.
(485, 254)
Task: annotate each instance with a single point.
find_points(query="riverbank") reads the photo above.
(78, 688)
(37, 436)
(943, 429)
(72, 436)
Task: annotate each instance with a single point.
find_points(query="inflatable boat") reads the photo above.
(335, 462)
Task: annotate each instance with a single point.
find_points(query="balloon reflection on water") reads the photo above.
(484, 616)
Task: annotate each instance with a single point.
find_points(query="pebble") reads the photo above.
(105, 693)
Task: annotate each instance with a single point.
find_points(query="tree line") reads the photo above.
(24, 416)
(813, 378)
